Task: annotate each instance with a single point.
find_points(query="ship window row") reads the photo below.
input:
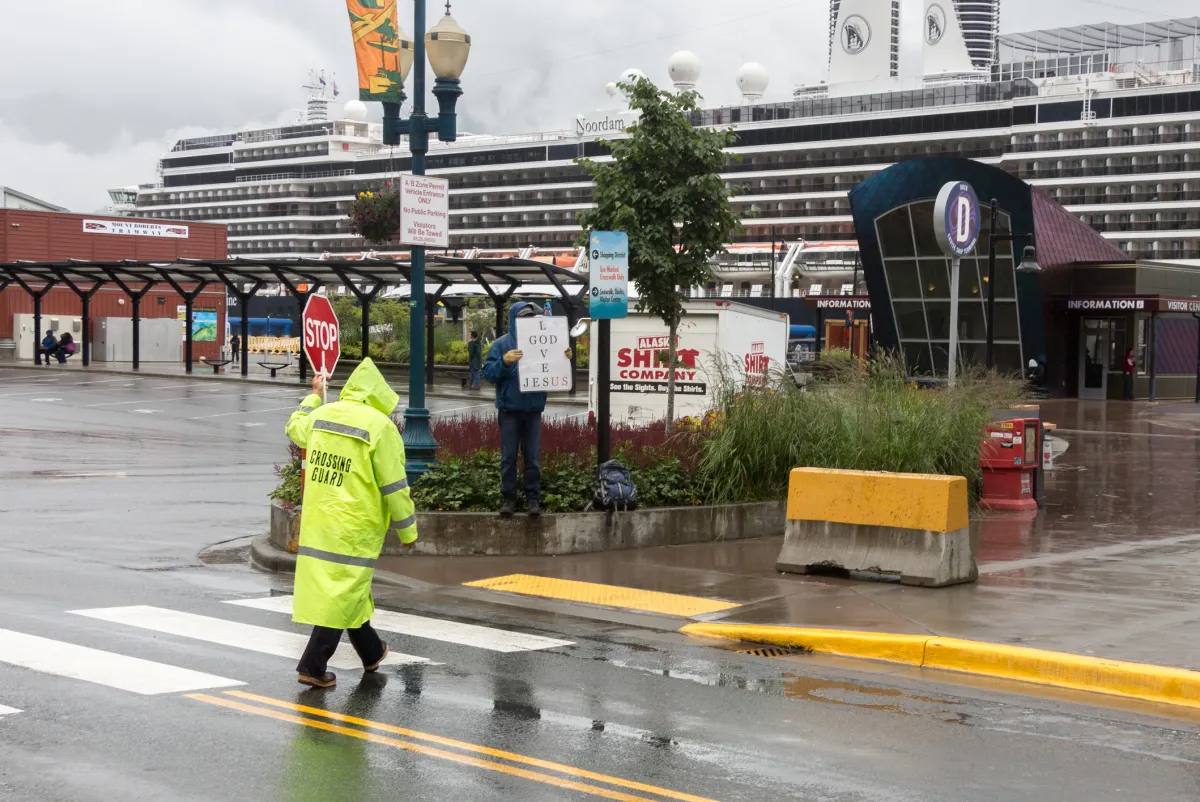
(1095, 138)
(1126, 136)
(282, 152)
(934, 97)
(1140, 249)
(1111, 165)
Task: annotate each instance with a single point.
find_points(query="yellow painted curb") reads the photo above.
(909, 649)
(1151, 683)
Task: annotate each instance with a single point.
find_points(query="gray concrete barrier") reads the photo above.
(909, 526)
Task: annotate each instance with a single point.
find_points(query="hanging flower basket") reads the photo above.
(375, 216)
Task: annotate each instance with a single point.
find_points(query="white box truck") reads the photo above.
(750, 343)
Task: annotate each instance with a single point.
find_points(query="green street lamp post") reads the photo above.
(448, 46)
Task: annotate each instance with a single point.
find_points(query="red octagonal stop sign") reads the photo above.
(321, 343)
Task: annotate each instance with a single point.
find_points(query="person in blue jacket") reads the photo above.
(520, 417)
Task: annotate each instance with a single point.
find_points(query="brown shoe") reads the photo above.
(326, 681)
(375, 666)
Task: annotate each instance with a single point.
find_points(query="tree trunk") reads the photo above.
(672, 348)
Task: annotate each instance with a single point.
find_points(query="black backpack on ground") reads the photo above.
(614, 488)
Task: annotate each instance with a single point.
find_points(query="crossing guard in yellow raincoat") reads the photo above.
(355, 493)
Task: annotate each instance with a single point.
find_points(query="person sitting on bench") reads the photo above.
(65, 348)
(49, 346)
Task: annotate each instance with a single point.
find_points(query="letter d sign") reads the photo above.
(956, 219)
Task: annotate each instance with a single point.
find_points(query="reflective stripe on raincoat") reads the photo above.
(355, 493)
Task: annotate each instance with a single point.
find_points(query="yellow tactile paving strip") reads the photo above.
(649, 601)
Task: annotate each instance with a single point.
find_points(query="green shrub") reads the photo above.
(871, 420)
(288, 490)
(378, 351)
(472, 483)
(455, 355)
(396, 351)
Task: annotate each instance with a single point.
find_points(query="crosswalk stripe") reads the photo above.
(230, 633)
(103, 668)
(496, 640)
(8, 711)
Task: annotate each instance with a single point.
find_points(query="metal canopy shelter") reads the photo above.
(365, 278)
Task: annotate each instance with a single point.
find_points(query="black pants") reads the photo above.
(324, 642)
(1128, 380)
(521, 430)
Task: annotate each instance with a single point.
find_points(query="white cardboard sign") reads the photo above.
(424, 211)
(544, 366)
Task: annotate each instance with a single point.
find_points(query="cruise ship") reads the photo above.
(1104, 118)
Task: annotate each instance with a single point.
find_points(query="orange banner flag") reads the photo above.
(381, 53)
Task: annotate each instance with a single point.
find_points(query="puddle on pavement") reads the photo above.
(237, 555)
(888, 700)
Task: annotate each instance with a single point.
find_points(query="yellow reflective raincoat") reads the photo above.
(355, 494)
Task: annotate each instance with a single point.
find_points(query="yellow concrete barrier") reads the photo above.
(865, 498)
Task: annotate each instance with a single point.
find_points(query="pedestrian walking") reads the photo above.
(235, 343)
(519, 415)
(49, 346)
(474, 361)
(355, 494)
(1128, 371)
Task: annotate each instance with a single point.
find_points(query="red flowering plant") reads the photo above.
(375, 215)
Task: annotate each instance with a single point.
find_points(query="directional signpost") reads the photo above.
(956, 224)
(322, 343)
(608, 255)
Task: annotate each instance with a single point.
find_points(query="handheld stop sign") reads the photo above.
(322, 343)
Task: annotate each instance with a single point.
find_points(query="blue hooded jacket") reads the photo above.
(509, 397)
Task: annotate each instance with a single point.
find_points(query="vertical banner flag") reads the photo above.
(608, 255)
(377, 46)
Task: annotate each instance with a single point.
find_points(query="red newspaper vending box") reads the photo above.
(1009, 457)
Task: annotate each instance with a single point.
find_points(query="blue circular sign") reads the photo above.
(956, 218)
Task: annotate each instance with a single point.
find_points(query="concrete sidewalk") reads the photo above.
(258, 375)
(1110, 569)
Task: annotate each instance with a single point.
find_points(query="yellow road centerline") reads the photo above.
(651, 601)
(470, 747)
(424, 750)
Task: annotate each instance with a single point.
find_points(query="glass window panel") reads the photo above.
(895, 233)
(903, 279)
(1003, 247)
(973, 355)
(1007, 323)
(968, 280)
(922, 221)
(941, 358)
(917, 359)
(910, 317)
(1117, 346)
(1005, 287)
(935, 280)
(1008, 359)
(938, 315)
(970, 321)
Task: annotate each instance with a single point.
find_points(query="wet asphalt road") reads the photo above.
(106, 504)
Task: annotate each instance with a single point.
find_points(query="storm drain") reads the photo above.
(767, 651)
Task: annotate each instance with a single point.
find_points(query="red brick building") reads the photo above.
(53, 236)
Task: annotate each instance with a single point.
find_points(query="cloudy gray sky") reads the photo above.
(94, 91)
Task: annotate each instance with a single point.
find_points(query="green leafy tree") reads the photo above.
(349, 315)
(663, 188)
(389, 319)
